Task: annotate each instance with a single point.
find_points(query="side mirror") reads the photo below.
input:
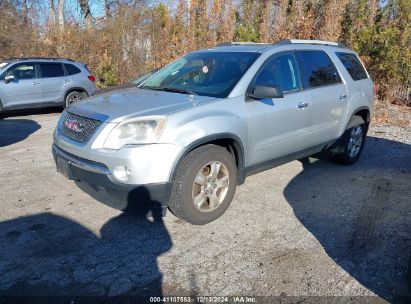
(260, 92)
(9, 78)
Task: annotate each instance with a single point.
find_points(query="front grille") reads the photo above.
(79, 128)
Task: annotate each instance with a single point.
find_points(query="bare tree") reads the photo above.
(52, 14)
(61, 14)
(24, 12)
(85, 11)
(372, 10)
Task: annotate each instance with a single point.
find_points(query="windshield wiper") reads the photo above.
(169, 89)
(176, 90)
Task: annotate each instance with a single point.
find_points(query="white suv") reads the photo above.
(190, 133)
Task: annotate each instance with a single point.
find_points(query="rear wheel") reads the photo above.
(74, 96)
(205, 185)
(351, 144)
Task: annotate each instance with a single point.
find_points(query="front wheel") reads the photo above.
(205, 185)
(351, 144)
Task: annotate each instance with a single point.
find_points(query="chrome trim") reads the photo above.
(87, 114)
(81, 162)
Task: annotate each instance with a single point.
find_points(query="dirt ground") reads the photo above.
(306, 230)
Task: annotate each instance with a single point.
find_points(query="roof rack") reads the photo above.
(37, 58)
(306, 41)
(241, 43)
(285, 42)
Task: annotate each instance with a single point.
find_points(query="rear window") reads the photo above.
(353, 65)
(317, 69)
(71, 69)
(51, 70)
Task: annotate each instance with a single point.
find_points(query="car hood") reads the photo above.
(117, 106)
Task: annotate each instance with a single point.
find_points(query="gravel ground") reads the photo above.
(308, 228)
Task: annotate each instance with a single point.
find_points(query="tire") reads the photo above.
(350, 145)
(209, 174)
(74, 96)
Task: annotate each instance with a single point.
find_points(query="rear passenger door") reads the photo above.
(54, 82)
(328, 95)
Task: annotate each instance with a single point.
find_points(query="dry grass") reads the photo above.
(387, 113)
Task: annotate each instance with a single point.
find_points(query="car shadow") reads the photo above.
(15, 130)
(50, 255)
(27, 112)
(361, 214)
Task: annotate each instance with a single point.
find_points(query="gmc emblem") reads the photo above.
(74, 125)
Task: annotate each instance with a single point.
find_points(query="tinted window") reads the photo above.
(51, 70)
(204, 73)
(72, 70)
(23, 71)
(353, 65)
(317, 69)
(280, 71)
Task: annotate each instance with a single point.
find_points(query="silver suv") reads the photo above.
(190, 133)
(38, 82)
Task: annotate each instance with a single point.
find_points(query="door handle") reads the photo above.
(66, 80)
(342, 96)
(302, 105)
(35, 83)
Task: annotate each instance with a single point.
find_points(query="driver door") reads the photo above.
(277, 126)
(24, 90)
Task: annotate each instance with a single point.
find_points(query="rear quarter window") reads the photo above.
(317, 69)
(72, 69)
(352, 65)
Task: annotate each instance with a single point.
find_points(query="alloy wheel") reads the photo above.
(355, 141)
(210, 186)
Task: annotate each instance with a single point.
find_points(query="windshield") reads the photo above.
(207, 73)
(140, 79)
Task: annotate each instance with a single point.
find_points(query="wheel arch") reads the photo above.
(230, 141)
(75, 89)
(364, 113)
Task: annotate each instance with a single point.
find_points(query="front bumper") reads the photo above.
(148, 164)
(95, 179)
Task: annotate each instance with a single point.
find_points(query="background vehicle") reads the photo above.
(39, 82)
(198, 127)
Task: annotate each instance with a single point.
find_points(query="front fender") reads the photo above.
(218, 121)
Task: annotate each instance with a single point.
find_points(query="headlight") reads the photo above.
(137, 131)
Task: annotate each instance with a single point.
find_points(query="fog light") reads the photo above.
(122, 173)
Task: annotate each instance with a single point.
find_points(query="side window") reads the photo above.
(317, 69)
(353, 65)
(22, 71)
(280, 70)
(71, 69)
(51, 70)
